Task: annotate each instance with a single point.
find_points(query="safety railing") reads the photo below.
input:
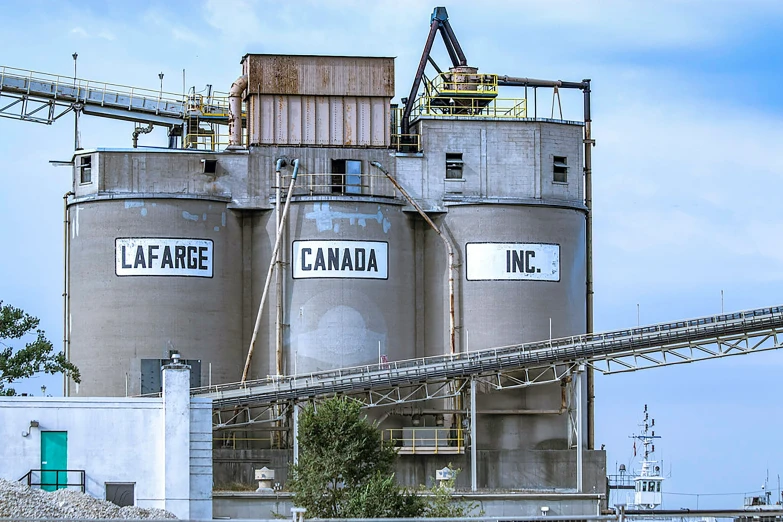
(425, 440)
(364, 184)
(70, 89)
(584, 347)
(464, 84)
(52, 479)
(271, 440)
(444, 106)
(406, 142)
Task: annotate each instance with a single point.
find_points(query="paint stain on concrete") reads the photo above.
(189, 216)
(328, 219)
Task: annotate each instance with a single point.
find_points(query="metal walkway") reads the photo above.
(44, 98)
(520, 365)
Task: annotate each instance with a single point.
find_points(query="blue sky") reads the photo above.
(687, 169)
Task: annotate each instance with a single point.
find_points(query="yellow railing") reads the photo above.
(439, 106)
(271, 440)
(464, 84)
(426, 440)
(406, 142)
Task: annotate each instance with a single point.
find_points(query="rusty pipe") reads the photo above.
(449, 250)
(272, 263)
(235, 112)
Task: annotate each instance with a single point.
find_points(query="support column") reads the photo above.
(295, 416)
(580, 442)
(473, 452)
(176, 438)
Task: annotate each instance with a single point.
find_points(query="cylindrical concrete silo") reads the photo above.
(150, 272)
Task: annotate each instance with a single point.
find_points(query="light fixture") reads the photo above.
(33, 424)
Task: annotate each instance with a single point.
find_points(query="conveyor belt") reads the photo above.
(734, 334)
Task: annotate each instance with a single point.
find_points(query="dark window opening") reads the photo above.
(210, 166)
(85, 168)
(120, 493)
(560, 169)
(346, 177)
(454, 165)
(152, 375)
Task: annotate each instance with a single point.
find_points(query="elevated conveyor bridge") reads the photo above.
(396, 382)
(44, 98)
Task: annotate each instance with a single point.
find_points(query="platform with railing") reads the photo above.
(426, 440)
(370, 184)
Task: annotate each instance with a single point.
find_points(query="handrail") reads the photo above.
(57, 484)
(587, 347)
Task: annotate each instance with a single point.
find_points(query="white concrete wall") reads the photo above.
(113, 440)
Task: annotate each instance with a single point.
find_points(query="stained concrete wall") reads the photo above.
(242, 505)
(119, 440)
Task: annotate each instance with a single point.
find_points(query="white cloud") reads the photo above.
(79, 31)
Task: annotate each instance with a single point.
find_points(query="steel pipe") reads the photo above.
(449, 250)
(235, 112)
(272, 262)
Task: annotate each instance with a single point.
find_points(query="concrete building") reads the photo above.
(170, 250)
(147, 452)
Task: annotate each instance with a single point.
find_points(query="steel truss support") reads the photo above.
(26, 108)
(689, 351)
(517, 366)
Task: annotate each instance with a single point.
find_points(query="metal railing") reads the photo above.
(364, 184)
(634, 342)
(426, 440)
(473, 107)
(406, 142)
(54, 478)
(464, 84)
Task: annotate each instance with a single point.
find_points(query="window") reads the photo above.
(346, 177)
(560, 169)
(210, 166)
(85, 169)
(454, 165)
(120, 493)
(152, 375)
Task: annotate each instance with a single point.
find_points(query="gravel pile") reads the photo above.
(20, 501)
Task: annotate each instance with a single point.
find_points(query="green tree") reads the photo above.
(34, 357)
(345, 469)
(441, 503)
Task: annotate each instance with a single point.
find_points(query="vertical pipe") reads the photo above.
(257, 325)
(588, 143)
(449, 251)
(279, 279)
(66, 268)
(579, 431)
(295, 416)
(235, 112)
(473, 451)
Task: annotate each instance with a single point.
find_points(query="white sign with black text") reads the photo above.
(152, 256)
(512, 262)
(340, 259)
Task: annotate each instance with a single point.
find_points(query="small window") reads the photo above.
(346, 177)
(120, 493)
(210, 166)
(454, 165)
(85, 169)
(560, 169)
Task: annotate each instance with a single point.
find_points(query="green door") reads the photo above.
(54, 456)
